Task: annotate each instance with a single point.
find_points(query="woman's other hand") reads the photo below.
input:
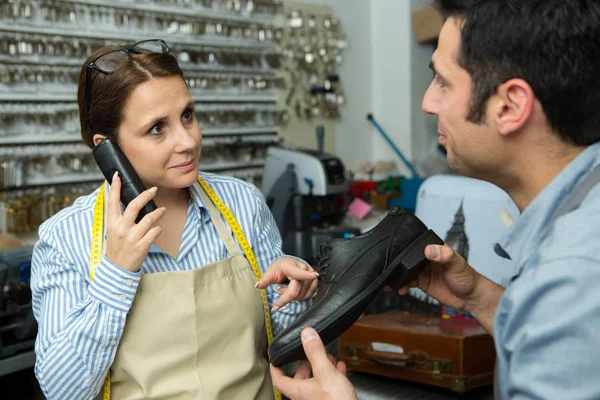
(302, 280)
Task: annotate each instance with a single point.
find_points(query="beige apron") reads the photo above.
(196, 334)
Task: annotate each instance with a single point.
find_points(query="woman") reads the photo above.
(171, 305)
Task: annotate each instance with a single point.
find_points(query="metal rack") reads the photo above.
(227, 49)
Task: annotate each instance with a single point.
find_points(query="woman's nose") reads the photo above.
(185, 139)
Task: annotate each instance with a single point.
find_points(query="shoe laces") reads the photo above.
(322, 259)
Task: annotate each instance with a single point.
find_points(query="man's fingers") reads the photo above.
(284, 384)
(439, 254)
(304, 370)
(446, 256)
(404, 289)
(432, 252)
(315, 352)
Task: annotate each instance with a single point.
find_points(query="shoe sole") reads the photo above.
(405, 267)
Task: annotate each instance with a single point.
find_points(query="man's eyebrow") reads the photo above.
(435, 71)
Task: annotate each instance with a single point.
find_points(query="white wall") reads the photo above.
(424, 127)
(352, 132)
(390, 24)
(385, 73)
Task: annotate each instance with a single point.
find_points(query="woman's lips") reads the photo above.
(186, 167)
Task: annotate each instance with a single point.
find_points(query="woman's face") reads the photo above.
(160, 135)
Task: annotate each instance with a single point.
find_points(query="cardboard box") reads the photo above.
(382, 200)
(10, 242)
(427, 23)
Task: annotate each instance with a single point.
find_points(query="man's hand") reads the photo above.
(448, 278)
(329, 378)
(302, 278)
(453, 282)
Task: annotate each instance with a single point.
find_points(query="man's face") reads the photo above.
(469, 146)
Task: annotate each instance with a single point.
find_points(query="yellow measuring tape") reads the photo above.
(96, 257)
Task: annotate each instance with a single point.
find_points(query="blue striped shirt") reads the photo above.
(80, 322)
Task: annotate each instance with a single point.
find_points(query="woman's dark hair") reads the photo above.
(110, 92)
(551, 44)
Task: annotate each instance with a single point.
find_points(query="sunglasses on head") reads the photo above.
(108, 63)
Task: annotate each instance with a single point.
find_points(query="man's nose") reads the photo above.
(431, 101)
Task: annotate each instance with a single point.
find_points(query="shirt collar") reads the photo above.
(199, 204)
(203, 214)
(525, 235)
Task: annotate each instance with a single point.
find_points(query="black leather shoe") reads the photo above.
(351, 273)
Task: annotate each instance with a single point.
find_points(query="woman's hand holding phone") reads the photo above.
(128, 243)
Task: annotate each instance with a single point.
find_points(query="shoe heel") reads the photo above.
(411, 261)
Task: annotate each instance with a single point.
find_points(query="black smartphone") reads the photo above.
(110, 158)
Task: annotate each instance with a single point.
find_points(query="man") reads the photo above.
(517, 98)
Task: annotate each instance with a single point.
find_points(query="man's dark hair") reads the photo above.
(554, 45)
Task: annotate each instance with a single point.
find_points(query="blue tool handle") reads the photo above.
(394, 147)
(310, 184)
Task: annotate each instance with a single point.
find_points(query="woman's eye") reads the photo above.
(156, 129)
(187, 115)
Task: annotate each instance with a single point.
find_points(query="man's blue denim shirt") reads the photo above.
(547, 326)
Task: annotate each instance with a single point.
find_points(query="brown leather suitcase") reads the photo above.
(454, 354)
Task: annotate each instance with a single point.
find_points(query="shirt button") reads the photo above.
(113, 342)
(129, 282)
(123, 297)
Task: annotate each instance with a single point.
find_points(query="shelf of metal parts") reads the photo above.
(234, 98)
(198, 98)
(266, 72)
(186, 67)
(18, 361)
(254, 130)
(35, 35)
(241, 173)
(207, 133)
(31, 109)
(125, 36)
(230, 166)
(38, 139)
(255, 140)
(56, 180)
(97, 177)
(188, 11)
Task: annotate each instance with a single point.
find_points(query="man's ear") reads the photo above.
(514, 105)
(98, 138)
